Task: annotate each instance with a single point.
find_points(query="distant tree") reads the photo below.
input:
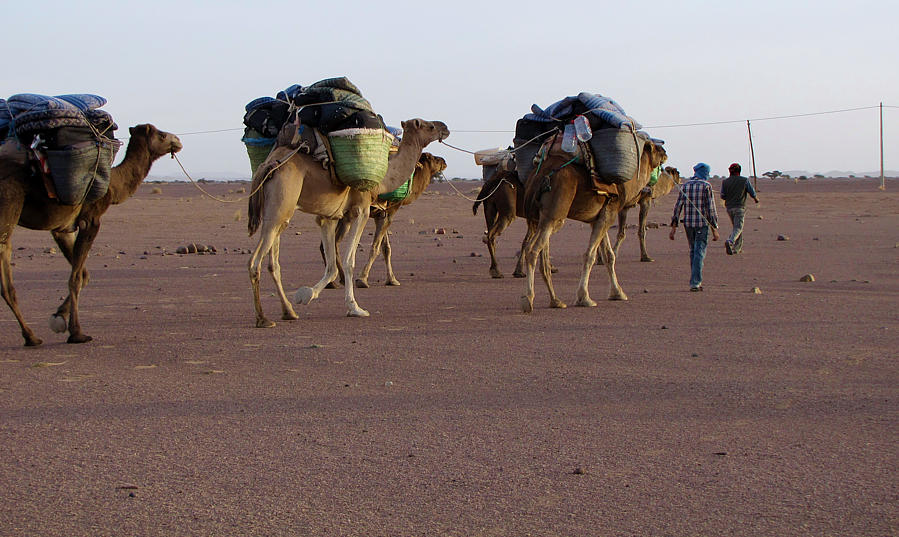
(803, 177)
(819, 176)
(774, 174)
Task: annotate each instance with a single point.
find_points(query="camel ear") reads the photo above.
(417, 123)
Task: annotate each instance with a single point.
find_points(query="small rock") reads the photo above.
(807, 278)
(783, 238)
(50, 250)
(440, 231)
(755, 291)
(181, 250)
(578, 471)
(389, 383)
(191, 248)
(652, 225)
(760, 217)
(664, 327)
(646, 290)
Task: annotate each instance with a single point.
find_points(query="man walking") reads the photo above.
(733, 191)
(697, 202)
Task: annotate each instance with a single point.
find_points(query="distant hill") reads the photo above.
(841, 173)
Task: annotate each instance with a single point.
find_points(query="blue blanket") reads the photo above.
(604, 108)
(27, 113)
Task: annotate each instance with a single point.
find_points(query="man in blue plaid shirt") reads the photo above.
(697, 202)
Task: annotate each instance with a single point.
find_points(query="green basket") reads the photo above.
(360, 156)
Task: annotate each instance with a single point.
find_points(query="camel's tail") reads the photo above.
(257, 199)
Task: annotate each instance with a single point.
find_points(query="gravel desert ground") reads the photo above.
(448, 411)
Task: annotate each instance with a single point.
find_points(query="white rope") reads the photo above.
(498, 184)
(255, 190)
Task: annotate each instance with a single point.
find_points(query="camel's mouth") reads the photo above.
(176, 146)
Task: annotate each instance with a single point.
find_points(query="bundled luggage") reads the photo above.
(69, 138)
(611, 135)
(358, 139)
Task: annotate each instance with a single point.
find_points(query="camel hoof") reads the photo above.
(621, 297)
(495, 274)
(304, 295)
(527, 305)
(558, 304)
(78, 338)
(357, 312)
(333, 285)
(58, 323)
(586, 303)
(392, 283)
(647, 260)
(553, 270)
(33, 342)
(361, 284)
(517, 274)
(264, 323)
(286, 316)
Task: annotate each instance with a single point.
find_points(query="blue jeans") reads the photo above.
(736, 215)
(698, 238)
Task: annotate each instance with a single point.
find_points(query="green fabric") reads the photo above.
(654, 176)
(399, 194)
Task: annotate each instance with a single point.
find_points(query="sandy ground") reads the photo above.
(448, 411)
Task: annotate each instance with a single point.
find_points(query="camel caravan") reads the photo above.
(330, 157)
(56, 174)
(581, 158)
(323, 149)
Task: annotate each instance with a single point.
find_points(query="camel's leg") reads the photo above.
(500, 223)
(338, 236)
(598, 235)
(83, 242)
(546, 273)
(530, 262)
(349, 260)
(6, 287)
(641, 230)
(386, 252)
(280, 204)
(66, 243)
(328, 227)
(380, 233)
(267, 237)
(536, 245)
(622, 229)
(274, 267)
(615, 292)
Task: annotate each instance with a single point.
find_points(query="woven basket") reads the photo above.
(616, 153)
(360, 156)
(258, 147)
(81, 172)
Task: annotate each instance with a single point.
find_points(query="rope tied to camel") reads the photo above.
(251, 194)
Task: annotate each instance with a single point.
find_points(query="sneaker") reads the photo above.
(729, 247)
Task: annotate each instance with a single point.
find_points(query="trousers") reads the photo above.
(698, 239)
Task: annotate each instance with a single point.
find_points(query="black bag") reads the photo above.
(267, 118)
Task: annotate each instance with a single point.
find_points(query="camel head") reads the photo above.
(158, 142)
(672, 172)
(425, 132)
(657, 154)
(431, 162)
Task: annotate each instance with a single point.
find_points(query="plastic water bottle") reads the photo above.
(582, 128)
(568, 139)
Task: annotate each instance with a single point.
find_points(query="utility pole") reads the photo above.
(755, 183)
(882, 183)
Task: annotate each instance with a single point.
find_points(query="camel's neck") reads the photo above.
(130, 173)
(420, 182)
(401, 165)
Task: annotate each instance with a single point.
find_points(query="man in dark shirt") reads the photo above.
(733, 191)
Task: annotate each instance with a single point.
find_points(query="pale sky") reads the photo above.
(190, 67)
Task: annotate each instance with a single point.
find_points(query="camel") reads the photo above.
(295, 180)
(24, 201)
(428, 167)
(560, 189)
(503, 199)
(645, 199)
